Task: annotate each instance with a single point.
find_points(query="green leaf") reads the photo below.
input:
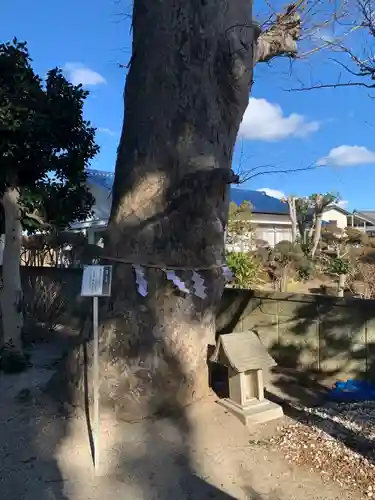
(46, 144)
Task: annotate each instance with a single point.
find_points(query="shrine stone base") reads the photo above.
(256, 412)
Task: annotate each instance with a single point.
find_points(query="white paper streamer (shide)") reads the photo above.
(140, 280)
(227, 274)
(171, 276)
(198, 285)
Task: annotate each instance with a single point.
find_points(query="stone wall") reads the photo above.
(326, 336)
(322, 335)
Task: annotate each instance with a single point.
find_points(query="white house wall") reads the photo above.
(271, 219)
(272, 227)
(336, 216)
(273, 234)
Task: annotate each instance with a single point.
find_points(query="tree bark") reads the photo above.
(341, 285)
(11, 292)
(186, 92)
(293, 217)
(317, 234)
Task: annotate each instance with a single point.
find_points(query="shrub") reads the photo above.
(366, 274)
(305, 270)
(286, 252)
(356, 236)
(331, 235)
(248, 270)
(262, 254)
(339, 265)
(306, 244)
(366, 254)
(44, 303)
(261, 243)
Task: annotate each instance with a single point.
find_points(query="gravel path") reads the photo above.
(338, 440)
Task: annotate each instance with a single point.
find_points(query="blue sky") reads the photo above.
(284, 129)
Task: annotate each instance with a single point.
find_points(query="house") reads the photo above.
(336, 215)
(363, 220)
(100, 185)
(270, 216)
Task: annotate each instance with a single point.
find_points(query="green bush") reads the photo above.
(247, 269)
(286, 252)
(11, 361)
(339, 265)
(305, 244)
(305, 270)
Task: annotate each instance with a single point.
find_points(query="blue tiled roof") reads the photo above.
(260, 202)
(101, 178)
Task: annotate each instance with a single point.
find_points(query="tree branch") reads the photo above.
(252, 173)
(332, 85)
(35, 217)
(362, 66)
(281, 38)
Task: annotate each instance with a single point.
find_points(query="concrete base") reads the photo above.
(257, 412)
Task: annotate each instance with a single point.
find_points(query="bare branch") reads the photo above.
(252, 173)
(35, 217)
(359, 57)
(332, 85)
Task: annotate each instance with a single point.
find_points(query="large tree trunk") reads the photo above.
(186, 92)
(11, 292)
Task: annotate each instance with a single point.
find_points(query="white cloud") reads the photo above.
(266, 122)
(324, 35)
(78, 73)
(342, 203)
(273, 192)
(344, 156)
(108, 131)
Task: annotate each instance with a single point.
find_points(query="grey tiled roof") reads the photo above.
(366, 214)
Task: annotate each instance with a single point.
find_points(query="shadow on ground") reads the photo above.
(30, 434)
(151, 459)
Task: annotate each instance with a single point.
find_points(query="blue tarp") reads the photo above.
(352, 390)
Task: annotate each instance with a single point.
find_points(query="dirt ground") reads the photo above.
(205, 453)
